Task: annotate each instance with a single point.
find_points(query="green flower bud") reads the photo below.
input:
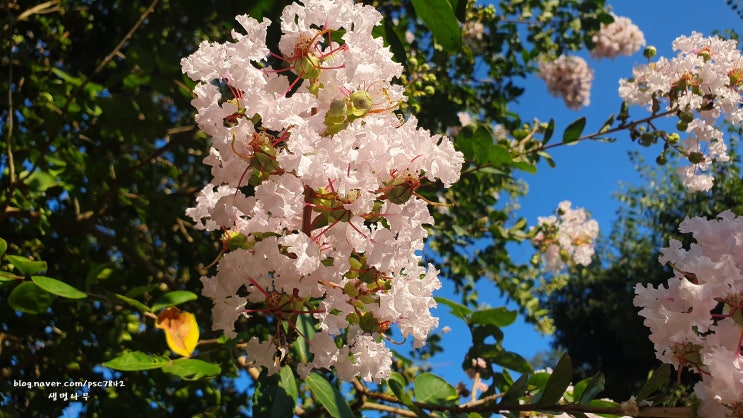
(661, 159)
(682, 126)
(649, 52)
(673, 138)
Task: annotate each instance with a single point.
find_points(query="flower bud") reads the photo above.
(649, 52)
(695, 157)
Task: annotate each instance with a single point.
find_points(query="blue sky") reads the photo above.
(589, 173)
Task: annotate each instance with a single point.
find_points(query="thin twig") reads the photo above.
(117, 50)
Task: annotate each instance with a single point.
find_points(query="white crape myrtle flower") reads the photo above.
(567, 236)
(568, 77)
(700, 85)
(314, 187)
(684, 329)
(621, 37)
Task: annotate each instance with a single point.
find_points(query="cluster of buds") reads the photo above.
(701, 84)
(567, 237)
(696, 320)
(315, 182)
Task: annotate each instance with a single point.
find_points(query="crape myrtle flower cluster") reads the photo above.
(696, 320)
(621, 37)
(314, 187)
(567, 236)
(701, 83)
(568, 77)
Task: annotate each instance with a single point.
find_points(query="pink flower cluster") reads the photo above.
(569, 236)
(314, 185)
(621, 37)
(702, 83)
(568, 77)
(696, 321)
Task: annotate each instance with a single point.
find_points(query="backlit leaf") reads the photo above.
(181, 330)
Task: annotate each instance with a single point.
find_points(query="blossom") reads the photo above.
(684, 329)
(700, 85)
(621, 37)
(568, 77)
(314, 186)
(568, 236)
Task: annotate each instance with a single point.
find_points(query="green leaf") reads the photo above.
(26, 266)
(557, 383)
(441, 21)
(499, 317)
(29, 298)
(39, 181)
(593, 386)
(507, 359)
(658, 378)
(58, 288)
(328, 396)
(519, 387)
(271, 398)
(607, 124)
(524, 166)
(457, 309)
(573, 131)
(429, 388)
(305, 325)
(192, 369)
(136, 360)
(548, 132)
(6, 276)
(133, 303)
(288, 383)
(398, 388)
(3, 247)
(173, 298)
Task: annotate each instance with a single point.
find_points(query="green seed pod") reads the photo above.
(360, 103)
(695, 157)
(307, 67)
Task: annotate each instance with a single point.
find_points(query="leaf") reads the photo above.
(429, 388)
(3, 247)
(305, 325)
(29, 298)
(658, 378)
(516, 390)
(136, 360)
(57, 287)
(181, 330)
(507, 359)
(134, 303)
(573, 131)
(457, 309)
(607, 124)
(26, 266)
(593, 387)
(6, 276)
(558, 382)
(500, 317)
(548, 132)
(398, 388)
(328, 396)
(441, 21)
(271, 397)
(192, 369)
(173, 298)
(288, 383)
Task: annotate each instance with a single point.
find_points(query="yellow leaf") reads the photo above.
(181, 330)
